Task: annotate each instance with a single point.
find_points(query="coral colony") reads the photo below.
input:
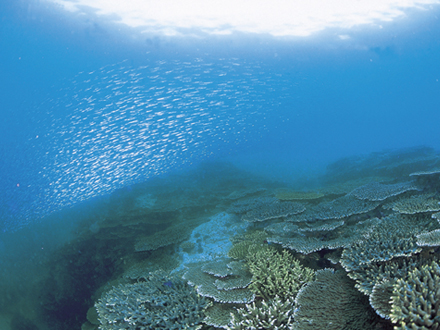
(359, 253)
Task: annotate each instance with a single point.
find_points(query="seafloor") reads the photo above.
(217, 247)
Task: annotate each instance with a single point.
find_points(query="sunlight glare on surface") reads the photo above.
(276, 17)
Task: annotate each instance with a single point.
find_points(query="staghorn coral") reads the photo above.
(331, 302)
(158, 303)
(368, 275)
(277, 274)
(416, 299)
(275, 314)
(378, 192)
(334, 256)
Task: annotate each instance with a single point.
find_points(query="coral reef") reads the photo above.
(332, 302)
(224, 281)
(310, 241)
(245, 246)
(380, 298)
(277, 274)
(416, 204)
(293, 195)
(385, 165)
(220, 315)
(433, 171)
(265, 208)
(431, 238)
(368, 275)
(160, 302)
(416, 299)
(378, 192)
(275, 314)
(273, 210)
(338, 208)
(344, 186)
(379, 230)
(238, 194)
(393, 236)
(242, 206)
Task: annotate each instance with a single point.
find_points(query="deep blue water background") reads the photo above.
(87, 110)
(90, 109)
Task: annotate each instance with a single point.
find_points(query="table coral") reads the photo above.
(378, 192)
(160, 302)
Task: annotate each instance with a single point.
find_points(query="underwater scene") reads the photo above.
(235, 165)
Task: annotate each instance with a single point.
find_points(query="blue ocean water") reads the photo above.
(75, 126)
(88, 112)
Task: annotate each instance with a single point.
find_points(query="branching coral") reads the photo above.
(277, 274)
(275, 314)
(416, 299)
(165, 303)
